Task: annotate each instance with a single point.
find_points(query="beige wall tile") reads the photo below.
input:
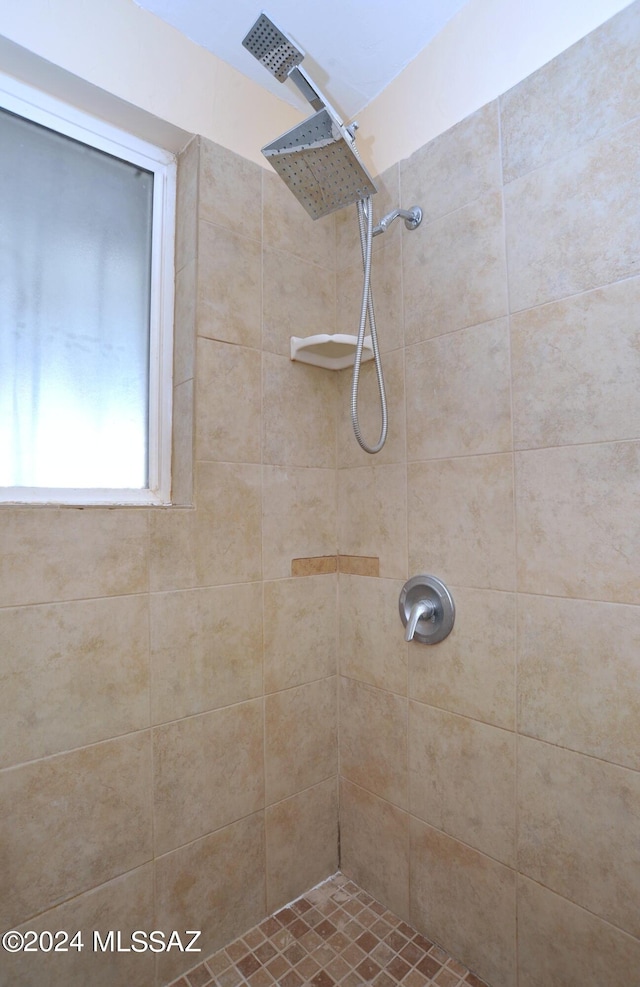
(300, 738)
(216, 885)
(287, 226)
(561, 945)
(72, 822)
(187, 204)
(299, 299)
(72, 674)
(49, 554)
(586, 91)
(372, 516)
(206, 649)
(370, 414)
(573, 511)
(172, 558)
(228, 403)
(184, 327)
(229, 286)
(230, 190)
(299, 517)
(182, 457)
(300, 631)
(457, 167)
(454, 270)
(372, 645)
(386, 282)
(462, 779)
(558, 218)
(218, 543)
(472, 671)
(229, 504)
(466, 902)
(458, 393)
(460, 524)
(373, 740)
(578, 830)
(374, 844)
(299, 414)
(302, 842)
(578, 676)
(575, 368)
(208, 772)
(348, 249)
(124, 904)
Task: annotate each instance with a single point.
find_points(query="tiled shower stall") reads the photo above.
(192, 736)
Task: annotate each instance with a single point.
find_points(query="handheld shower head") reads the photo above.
(272, 47)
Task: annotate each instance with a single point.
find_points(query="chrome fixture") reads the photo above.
(426, 610)
(317, 159)
(412, 219)
(367, 314)
(319, 162)
(273, 48)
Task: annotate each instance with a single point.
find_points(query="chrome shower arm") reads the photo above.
(412, 219)
(313, 94)
(307, 87)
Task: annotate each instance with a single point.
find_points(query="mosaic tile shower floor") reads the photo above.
(335, 935)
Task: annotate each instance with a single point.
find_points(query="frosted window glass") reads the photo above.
(75, 263)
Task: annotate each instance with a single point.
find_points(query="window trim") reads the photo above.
(41, 108)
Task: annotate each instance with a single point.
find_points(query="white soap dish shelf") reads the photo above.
(332, 351)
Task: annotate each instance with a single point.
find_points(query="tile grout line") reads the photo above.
(515, 543)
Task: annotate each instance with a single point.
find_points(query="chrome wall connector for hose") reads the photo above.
(412, 219)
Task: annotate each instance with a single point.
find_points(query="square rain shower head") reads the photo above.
(272, 48)
(317, 159)
(318, 162)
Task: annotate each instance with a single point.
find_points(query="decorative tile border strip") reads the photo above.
(353, 565)
(359, 565)
(317, 566)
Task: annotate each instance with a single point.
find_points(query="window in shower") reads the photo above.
(86, 307)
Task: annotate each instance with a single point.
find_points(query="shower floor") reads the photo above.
(335, 934)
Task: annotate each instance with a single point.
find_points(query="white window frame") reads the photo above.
(34, 105)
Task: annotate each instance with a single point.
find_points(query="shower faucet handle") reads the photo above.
(426, 609)
(422, 610)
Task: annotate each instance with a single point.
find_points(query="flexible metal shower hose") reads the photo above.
(365, 222)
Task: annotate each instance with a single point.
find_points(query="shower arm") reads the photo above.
(412, 219)
(317, 99)
(306, 87)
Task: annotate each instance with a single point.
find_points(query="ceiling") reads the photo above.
(354, 48)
